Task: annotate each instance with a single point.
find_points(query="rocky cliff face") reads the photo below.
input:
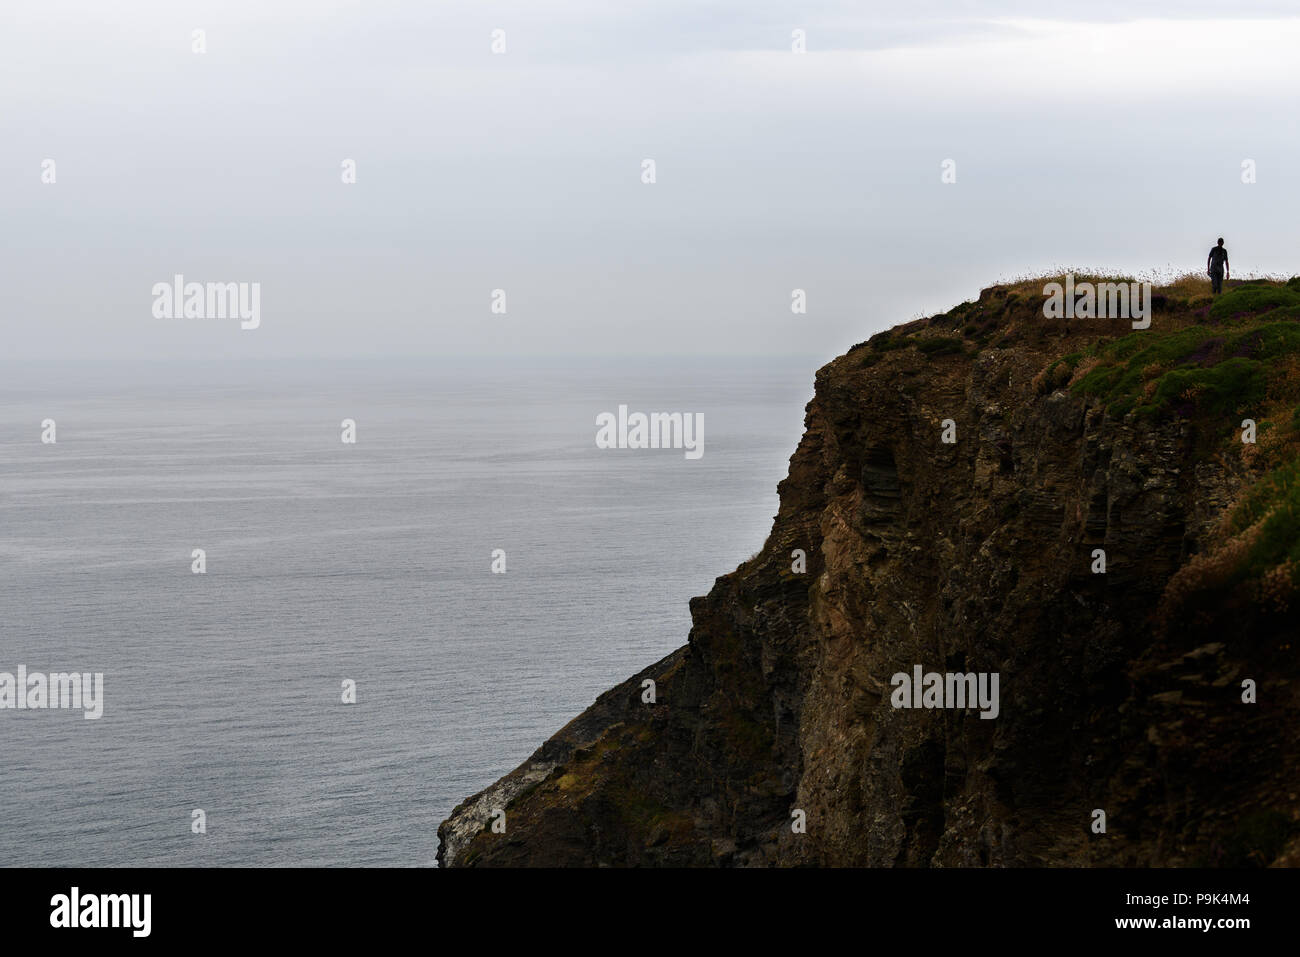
(1120, 691)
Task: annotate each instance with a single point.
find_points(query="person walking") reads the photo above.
(1217, 266)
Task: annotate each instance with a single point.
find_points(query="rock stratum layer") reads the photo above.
(1120, 691)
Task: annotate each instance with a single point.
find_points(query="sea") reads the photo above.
(472, 566)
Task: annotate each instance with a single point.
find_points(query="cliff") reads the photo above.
(1120, 691)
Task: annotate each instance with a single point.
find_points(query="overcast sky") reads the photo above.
(1112, 135)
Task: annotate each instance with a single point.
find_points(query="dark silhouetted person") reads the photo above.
(1217, 267)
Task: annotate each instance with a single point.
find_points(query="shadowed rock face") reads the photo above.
(974, 556)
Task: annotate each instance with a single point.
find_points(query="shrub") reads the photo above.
(940, 346)
(1274, 504)
(1252, 299)
(1223, 389)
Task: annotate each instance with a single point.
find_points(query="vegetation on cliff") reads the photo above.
(1211, 361)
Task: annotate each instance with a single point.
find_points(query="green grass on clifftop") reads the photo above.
(1209, 361)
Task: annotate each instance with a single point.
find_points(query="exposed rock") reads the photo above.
(968, 557)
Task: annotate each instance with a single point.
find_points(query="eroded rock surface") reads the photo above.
(975, 556)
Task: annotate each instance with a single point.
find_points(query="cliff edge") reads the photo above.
(958, 479)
